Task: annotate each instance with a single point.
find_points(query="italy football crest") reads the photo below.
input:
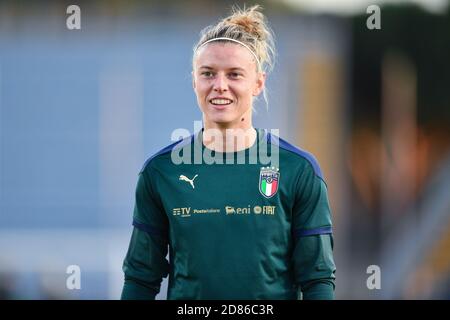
(269, 178)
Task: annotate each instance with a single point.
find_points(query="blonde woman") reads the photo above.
(242, 213)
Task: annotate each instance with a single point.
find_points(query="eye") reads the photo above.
(235, 75)
(207, 74)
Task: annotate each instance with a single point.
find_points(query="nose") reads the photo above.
(220, 83)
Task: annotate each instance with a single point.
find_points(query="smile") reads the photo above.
(221, 102)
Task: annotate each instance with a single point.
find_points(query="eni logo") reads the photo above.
(229, 210)
(191, 181)
(233, 210)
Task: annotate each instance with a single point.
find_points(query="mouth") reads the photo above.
(220, 103)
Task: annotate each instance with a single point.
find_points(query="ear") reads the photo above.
(260, 83)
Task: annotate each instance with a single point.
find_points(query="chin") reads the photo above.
(222, 121)
(221, 118)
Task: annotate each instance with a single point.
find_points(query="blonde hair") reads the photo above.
(248, 26)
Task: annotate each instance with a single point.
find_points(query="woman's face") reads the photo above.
(225, 81)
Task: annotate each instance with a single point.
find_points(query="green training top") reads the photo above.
(255, 224)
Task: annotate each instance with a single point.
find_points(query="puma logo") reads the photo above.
(184, 178)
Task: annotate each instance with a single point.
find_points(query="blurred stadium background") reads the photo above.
(81, 110)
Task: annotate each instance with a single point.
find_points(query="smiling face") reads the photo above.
(225, 81)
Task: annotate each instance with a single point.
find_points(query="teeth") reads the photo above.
(221, 101)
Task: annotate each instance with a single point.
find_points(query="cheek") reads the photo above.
(201, 88)
(246, 93)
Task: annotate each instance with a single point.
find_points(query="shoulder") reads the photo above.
(164, 155)
(289, 150)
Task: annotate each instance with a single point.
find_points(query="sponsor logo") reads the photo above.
(191, 181)
(187, 212)
(268, 210)
(183, 212)
(233, 210)
(258, 210)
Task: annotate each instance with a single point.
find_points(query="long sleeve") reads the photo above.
(314, 262)
(313, 241)
(145, 264)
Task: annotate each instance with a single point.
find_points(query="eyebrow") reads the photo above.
(234, 68)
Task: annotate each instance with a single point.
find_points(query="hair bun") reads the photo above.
(250, 20)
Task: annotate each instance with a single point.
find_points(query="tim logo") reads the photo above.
(183, 212)
(269, 178)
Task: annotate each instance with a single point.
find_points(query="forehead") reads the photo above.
(226, 55)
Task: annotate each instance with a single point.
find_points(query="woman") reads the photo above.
(244, 214)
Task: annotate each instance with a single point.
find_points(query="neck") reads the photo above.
(223, 137)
